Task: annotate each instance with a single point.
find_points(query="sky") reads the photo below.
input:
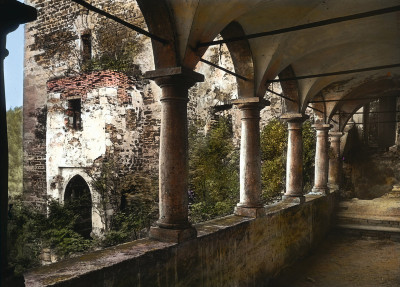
(13, 68)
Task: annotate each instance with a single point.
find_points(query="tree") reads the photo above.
(213, 171)
(14, 135)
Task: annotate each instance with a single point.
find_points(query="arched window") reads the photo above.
(77, 193)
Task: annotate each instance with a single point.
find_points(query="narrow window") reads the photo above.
(86, 40)
(74, 114)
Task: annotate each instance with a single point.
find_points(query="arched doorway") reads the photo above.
(77, 193)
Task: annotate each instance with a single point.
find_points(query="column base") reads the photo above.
(320, 190)
(294, 198)
(172, 235)
(249, 211)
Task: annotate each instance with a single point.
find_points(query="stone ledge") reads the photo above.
(235, 238)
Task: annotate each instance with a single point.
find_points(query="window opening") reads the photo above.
(86, 40)
(74, 114)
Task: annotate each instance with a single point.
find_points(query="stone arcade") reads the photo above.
(254, 244)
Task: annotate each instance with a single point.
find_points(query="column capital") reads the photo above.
(14, 13)
(294, 117)
(335, 134)
(3, 53)
(251, 103)
(322, 127)
(174, 76)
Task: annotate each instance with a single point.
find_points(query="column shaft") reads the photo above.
(173, 159)
(334, 160)
(294, 159)
(173, 224)
(3, 165)
(321, 159)
(250, 162)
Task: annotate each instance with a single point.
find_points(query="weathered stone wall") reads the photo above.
(53, 49)
(112, 122)
(229, 251)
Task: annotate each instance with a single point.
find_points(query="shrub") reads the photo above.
(29, 231)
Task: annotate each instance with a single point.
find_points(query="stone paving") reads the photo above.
(349, 261)
(343, 261)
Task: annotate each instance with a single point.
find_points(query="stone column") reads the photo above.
(12, 13)
(334, 160)
(294, 158)
(321, 159)
(250, 158)
(3, 164)
(173, 224)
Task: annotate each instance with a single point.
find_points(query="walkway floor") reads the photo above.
(343, 261)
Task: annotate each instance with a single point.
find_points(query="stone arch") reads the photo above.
(160, 23)
(242, 59)
(77, 191)
(290, 89)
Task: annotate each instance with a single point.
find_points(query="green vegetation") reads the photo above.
(14, 135)
(128, 202)
(309, 141)
(29, 231)
(117, 47)
(214, 167)
(273, 141)
(273, 155)
(213, 171)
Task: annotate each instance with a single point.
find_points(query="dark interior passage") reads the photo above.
(77, 193)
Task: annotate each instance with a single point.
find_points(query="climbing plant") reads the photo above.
(127, 201)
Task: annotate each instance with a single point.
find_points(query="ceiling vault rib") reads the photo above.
(289, 99)
(305, 26)
(344, 72)
(120, 21)
(280, 95)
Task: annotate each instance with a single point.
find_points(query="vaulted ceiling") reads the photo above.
(348, 45)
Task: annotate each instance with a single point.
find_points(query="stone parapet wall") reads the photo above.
(229, 251)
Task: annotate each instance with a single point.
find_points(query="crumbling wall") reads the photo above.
(53, 49)
(114, 123)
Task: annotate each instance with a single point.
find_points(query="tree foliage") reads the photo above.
(213, 171)
(14, 135)
(273, 141)
(29, 231)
